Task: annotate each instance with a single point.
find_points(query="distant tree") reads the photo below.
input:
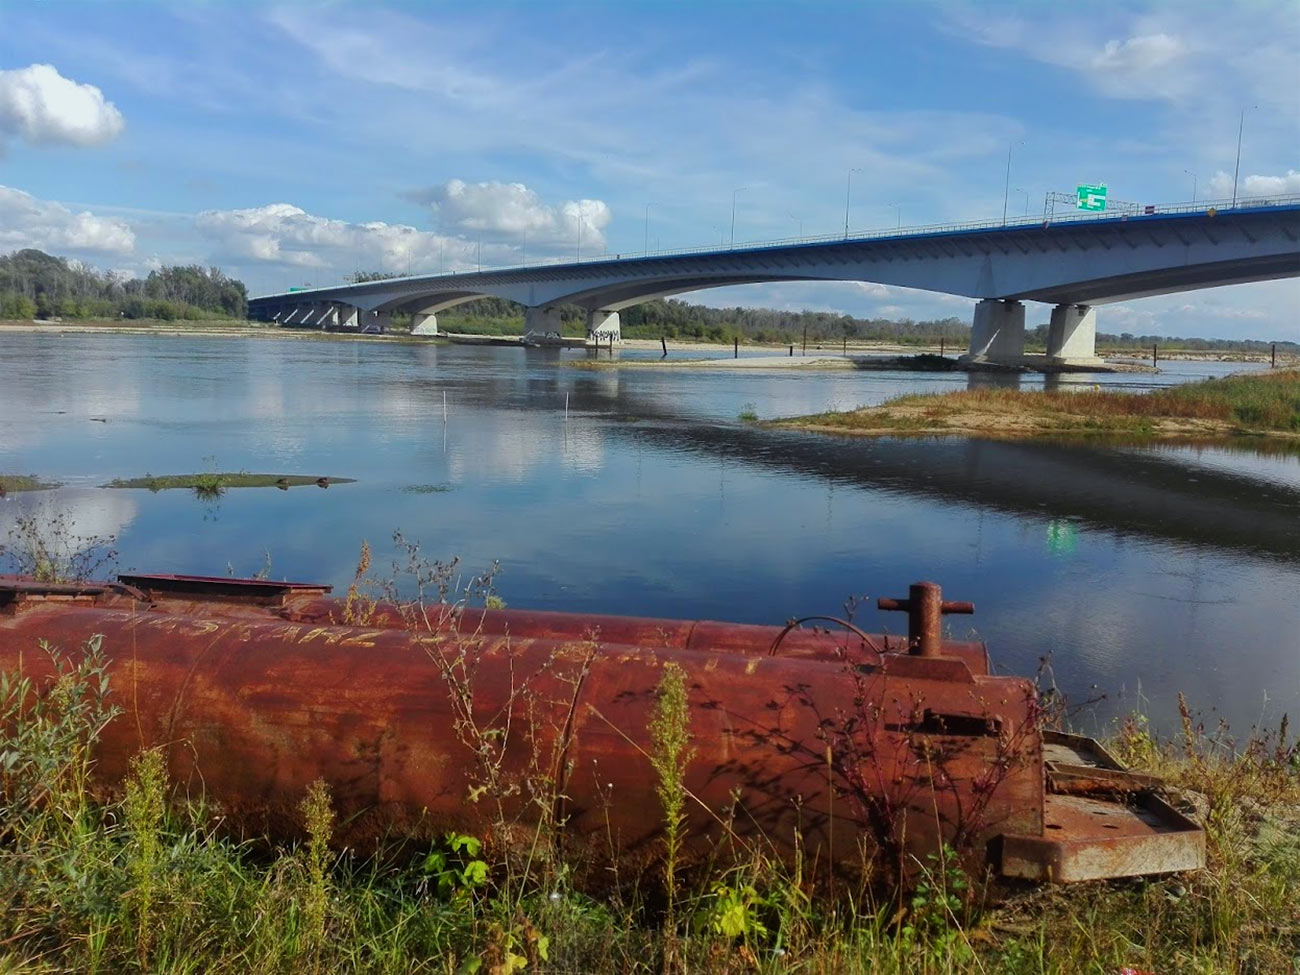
(36, 284)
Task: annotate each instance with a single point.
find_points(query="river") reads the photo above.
(1139, 572)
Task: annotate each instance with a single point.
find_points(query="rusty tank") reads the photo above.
(847, 750)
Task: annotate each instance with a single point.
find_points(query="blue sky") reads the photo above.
(295, 143)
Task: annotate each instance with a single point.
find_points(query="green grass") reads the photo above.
(146, 882)
(211, 483)
(12, 483)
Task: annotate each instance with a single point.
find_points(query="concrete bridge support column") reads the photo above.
(998, 333)
(603, 325)
(1072, 335)
(423, 323)
(542, 320)
(348, 316)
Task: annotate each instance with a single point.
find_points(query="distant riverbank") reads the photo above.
(1257, 404)
(701, 354)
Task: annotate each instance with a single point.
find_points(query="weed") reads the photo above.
(48, 548)
(318, 817)
(671, 735)
(748, 414)
(208, 486)
(454, 868)
(144, 808)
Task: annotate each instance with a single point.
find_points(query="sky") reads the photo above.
(293, 144)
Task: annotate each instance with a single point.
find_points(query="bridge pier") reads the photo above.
(542, 320)
(602, 326)
(374, 321)
(347, 316)
(1072, 335)
(997, 333)
(424, 323)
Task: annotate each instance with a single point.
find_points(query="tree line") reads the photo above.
(673, 318)
(34, 284)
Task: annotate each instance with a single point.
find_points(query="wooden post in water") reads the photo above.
(804, 351)
(735, 347)
(940, 346)
(1155, 353)
(1272, 359)
(664, 342)
(792, 352)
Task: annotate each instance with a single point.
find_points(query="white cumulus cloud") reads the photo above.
(26, 221)
(1255, 186)
(41, 107)
(514, 212)
(283, 234)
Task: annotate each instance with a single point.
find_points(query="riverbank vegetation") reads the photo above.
(1258, 403)
(34, 284)
(145, 881)
(13, 483)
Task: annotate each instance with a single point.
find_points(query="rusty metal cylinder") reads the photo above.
(470, 721)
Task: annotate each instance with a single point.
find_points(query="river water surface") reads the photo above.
(1139, 571)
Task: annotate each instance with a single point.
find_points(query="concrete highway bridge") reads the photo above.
(1073, 263)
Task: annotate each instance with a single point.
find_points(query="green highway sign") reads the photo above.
(1092, 197)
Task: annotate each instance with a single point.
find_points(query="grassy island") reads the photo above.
(1258, 404)
(215, 482)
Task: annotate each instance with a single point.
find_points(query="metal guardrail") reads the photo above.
(1125, 211)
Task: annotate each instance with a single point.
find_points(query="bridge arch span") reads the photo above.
(1073, 263)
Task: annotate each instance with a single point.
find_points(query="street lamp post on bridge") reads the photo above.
(1236, 170)
(733, 212)
(848, 188)
(1006, 189)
